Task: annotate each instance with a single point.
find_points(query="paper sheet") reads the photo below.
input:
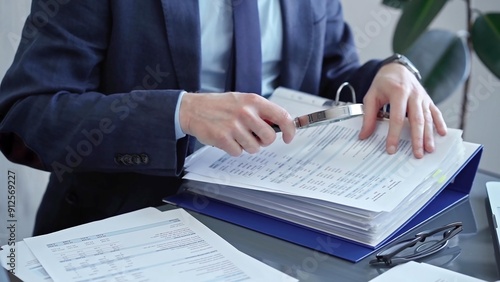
(357, 225)
(418, 272)
(329, 162)
(146, 245)
(27, 267)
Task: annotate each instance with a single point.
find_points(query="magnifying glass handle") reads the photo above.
(276, 128)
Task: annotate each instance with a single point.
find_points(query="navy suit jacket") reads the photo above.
(92, 91)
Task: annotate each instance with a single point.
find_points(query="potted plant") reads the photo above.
(443, 57)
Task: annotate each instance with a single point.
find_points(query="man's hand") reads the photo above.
(234, 122)
(395, 85)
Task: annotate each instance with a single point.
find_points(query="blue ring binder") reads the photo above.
(454, 191)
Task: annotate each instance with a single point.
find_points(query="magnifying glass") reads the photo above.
(334, 114)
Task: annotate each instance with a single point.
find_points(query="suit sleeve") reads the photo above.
(54, 115)
(341, 61)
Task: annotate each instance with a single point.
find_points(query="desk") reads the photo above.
(472, 247)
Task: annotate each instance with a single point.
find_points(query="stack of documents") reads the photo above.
(329, 180)
(146, 245)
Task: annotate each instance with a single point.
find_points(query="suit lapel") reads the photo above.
(184, 37)
(297, 41)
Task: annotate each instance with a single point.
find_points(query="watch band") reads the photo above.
(398, 58)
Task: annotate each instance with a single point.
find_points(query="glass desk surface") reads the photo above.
(470, 252)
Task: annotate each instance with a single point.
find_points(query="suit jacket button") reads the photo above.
(127, 159)
(123, 159)
(144, 158)
(136, 159)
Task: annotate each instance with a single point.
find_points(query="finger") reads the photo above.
(396, 123)
(252, 130)
(417, 125)
(263, 132)
(438, 120)
(370, 109)
(247, 141)
(428, 130)
(229, 145)
(280, 117)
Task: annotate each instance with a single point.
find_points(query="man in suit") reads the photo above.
(109, 95)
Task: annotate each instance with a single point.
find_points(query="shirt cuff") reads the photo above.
(178, 130)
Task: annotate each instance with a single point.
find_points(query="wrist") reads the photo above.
(404, 61)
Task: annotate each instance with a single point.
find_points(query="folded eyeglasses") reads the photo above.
(392, 255)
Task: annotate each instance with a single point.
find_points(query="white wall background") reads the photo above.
(372, 24)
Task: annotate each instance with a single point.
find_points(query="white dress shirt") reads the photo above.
(216, 22)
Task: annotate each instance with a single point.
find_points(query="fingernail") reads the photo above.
(420, 152)
(430, 148)
(391, 150)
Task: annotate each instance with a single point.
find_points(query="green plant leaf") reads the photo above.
(416, 17)
(485, 35)
(443, 60)
(397, 4)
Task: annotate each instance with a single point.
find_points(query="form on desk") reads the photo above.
(146, 245)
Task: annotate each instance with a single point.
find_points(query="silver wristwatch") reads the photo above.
(398, 58)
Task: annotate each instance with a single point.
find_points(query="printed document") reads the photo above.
(146, 245)
(328, 179)
(330, 163)
(25, 265)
